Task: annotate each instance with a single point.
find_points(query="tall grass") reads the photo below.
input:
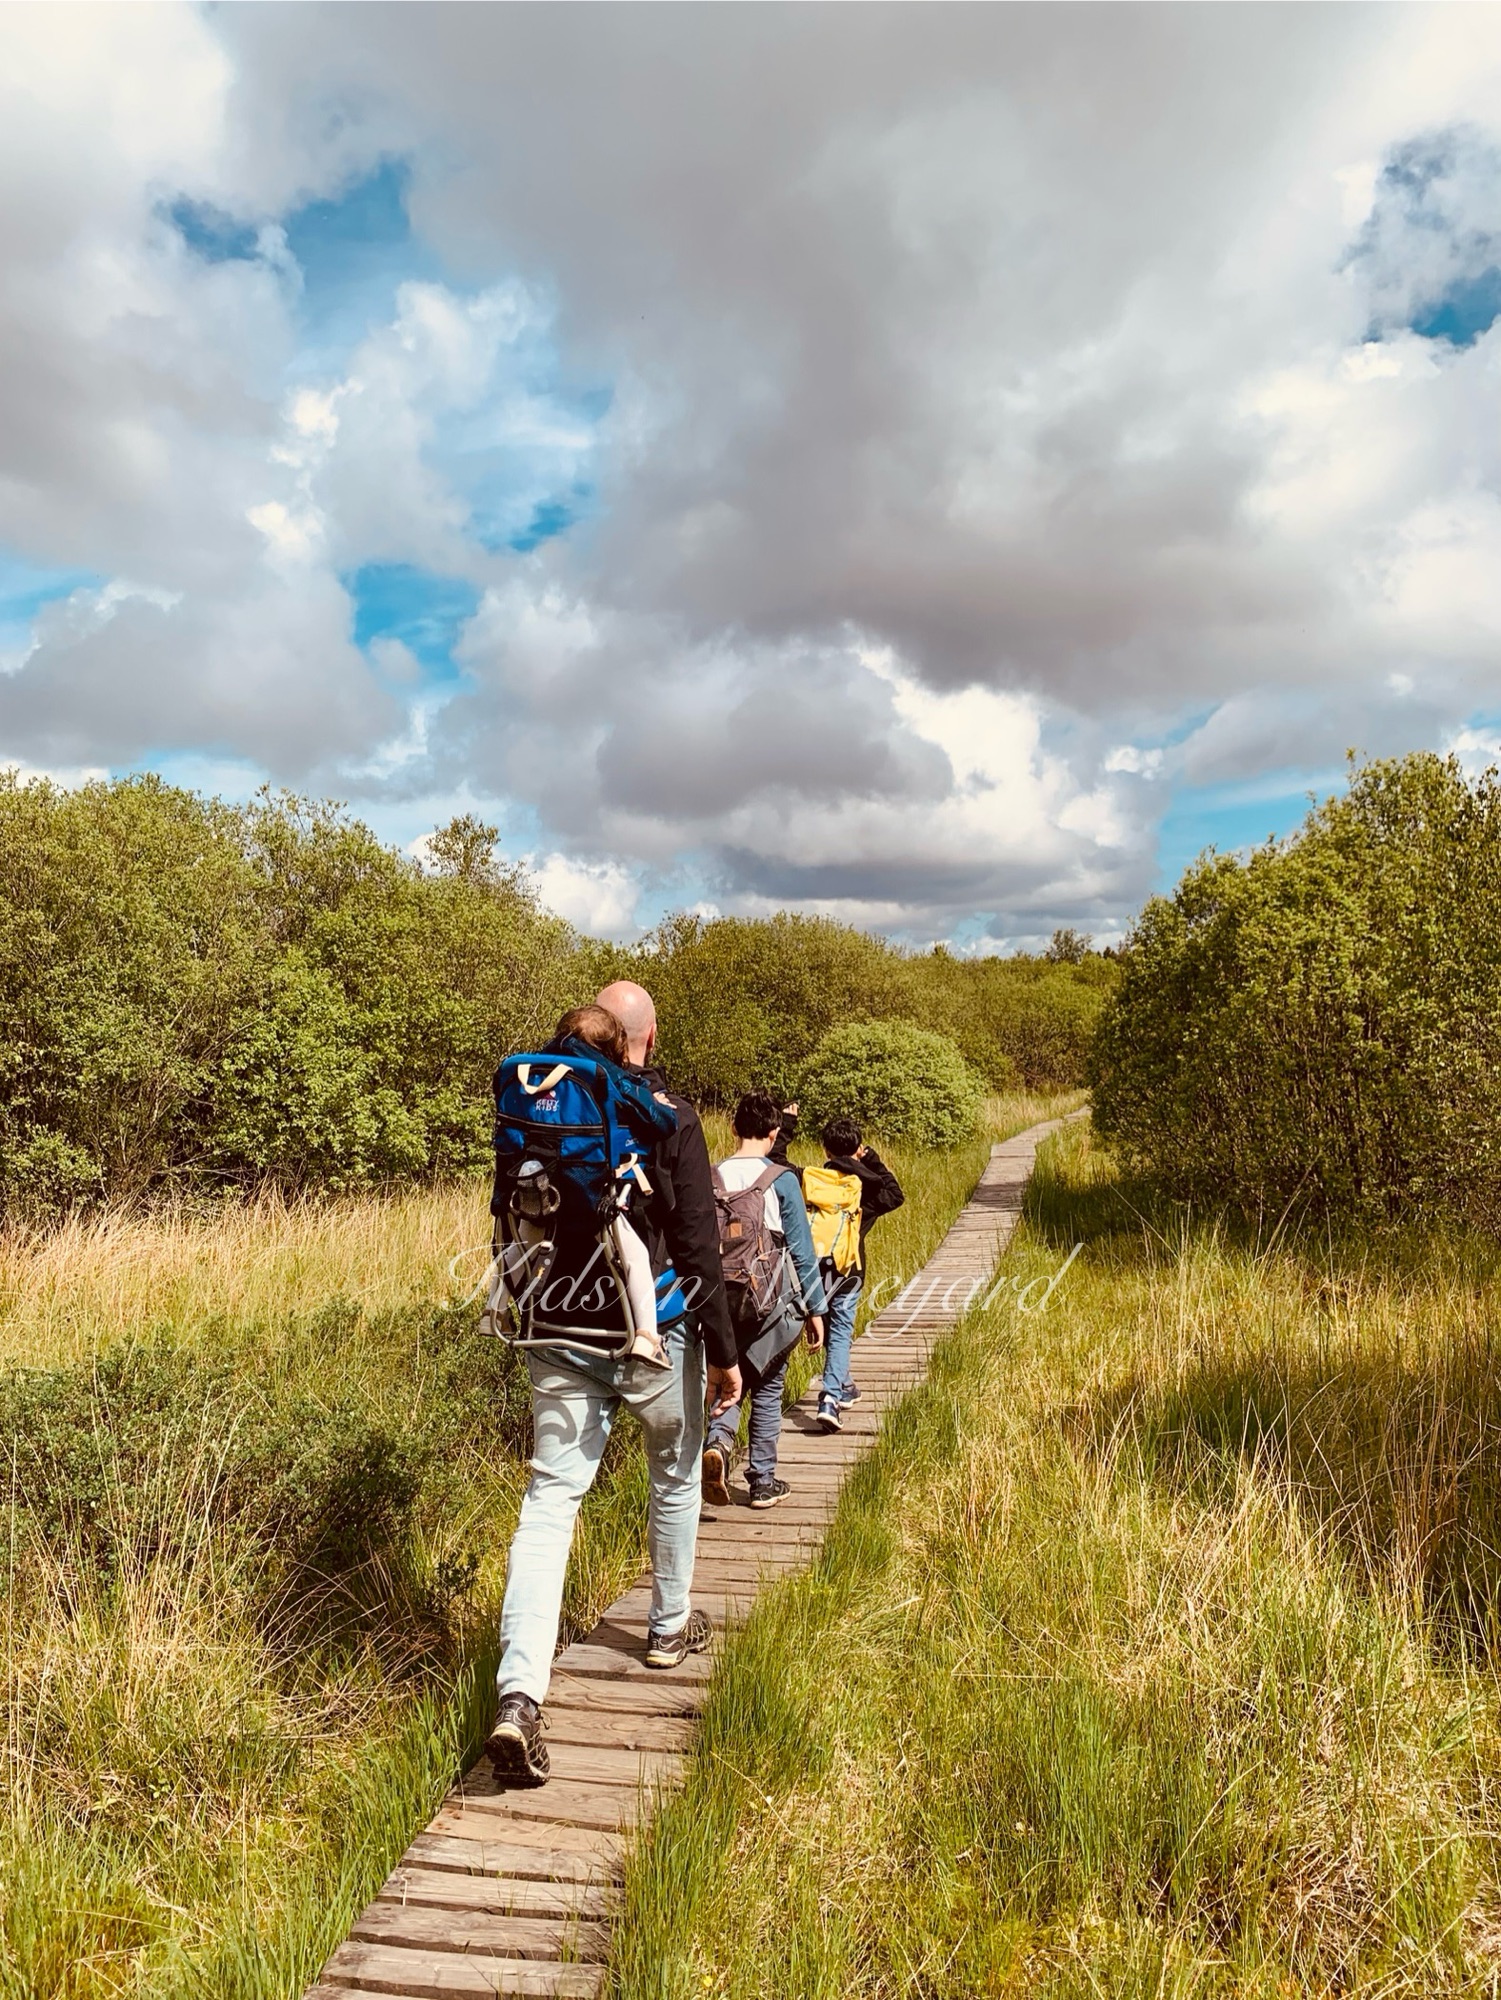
(65, 1290)
(1150, 1654)
(258, 1475)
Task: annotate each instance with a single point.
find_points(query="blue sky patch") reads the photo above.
(1469, 308)
(425, 611)
(25, 588)
(211, 234)
(552, 517)
(1233, 818)
(356, 239)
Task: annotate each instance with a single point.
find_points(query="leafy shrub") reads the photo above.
(895, 1079)
(152, 1444)
(1320, 1025)
(745, 1002)
(194, 994)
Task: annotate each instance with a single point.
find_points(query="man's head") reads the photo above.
(632, 1007)
(756, 1116)
(598, 1027)
(841, 1138)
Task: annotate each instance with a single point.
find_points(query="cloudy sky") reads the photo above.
(942, 467)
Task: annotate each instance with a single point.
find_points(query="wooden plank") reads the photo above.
(772, 1528)
(470, 1933)
(413, 1886)
(661, 1694)
(752, 1560)
(563, 1866)
(583, 1726)
(726, 1603)
(440, 1975)
(606, 1765)
(792, 1541)
(805, 1510)
(605, 1808)
(598, 1849)
(613, 1661)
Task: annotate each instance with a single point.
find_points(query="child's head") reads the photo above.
(841, 1138)
(598, 1027)
(756, 1116)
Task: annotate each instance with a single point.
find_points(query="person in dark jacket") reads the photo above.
(575, 1398)
(786, 1133)
(880, 1193)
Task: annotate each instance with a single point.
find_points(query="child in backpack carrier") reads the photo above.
(640, 1118)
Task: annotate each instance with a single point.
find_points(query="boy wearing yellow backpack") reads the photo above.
(850, 1191)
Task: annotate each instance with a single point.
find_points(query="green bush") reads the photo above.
(893, 1079)
(1318, 1028)
(195, 995)
(744, 1002)
(152, 1444)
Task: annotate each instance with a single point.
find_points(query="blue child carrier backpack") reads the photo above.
(572, 1134)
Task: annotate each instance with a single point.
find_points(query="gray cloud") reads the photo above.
(274, 679)
(988, 391)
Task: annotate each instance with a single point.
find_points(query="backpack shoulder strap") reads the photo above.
(772, 1171)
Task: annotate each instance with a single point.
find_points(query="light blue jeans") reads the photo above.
(839, 1334)
(575, 1398)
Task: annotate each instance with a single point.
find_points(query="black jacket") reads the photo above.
(880, 1190)
(786, 1133)
(683, 1223)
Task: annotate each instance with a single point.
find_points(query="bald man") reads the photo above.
(575, 1398)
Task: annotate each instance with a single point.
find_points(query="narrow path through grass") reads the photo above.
(220, 1727)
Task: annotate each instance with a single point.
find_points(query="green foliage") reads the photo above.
(893, 1079)
(1068, 947)
(193, 994)
(1319, 1027)
(153, 1443)
(745, 1002)
(196, 996)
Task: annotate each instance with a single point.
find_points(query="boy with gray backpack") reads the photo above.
(775, 1292)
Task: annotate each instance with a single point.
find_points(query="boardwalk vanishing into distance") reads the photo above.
(511, 1891)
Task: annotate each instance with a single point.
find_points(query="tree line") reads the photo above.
(198, 996)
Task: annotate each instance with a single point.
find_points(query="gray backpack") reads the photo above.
(752, 1255)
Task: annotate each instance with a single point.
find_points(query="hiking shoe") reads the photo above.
(848, 1395)
(716, 1475)
(828, 1414)
(517, 1752)
(670, 1649)
(767, 1492)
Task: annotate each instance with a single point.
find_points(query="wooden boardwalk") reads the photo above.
(510, 1892)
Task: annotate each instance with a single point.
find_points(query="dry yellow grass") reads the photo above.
(65, 1290)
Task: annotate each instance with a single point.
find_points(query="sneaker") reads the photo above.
(848, 1396)
(517, 1752)
(828, 1414)
(716, 1476)
(670, 1649)
(767, 1492)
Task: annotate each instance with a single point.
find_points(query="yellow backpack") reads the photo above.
(834, 1211)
